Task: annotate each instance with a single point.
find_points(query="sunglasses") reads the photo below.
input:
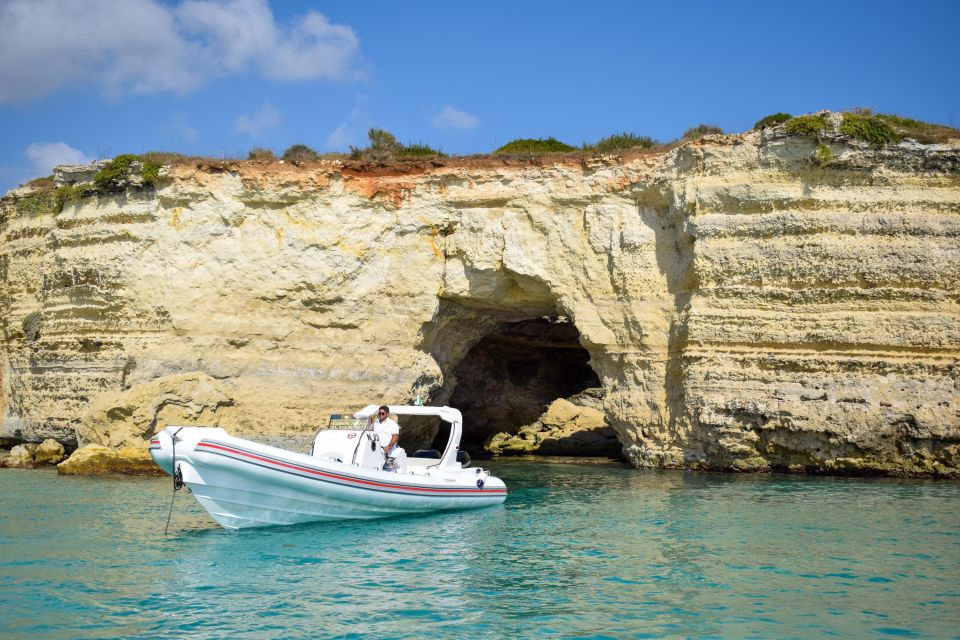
(382, 413)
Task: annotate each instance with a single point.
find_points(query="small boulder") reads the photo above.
(48, 452)
(19, 458)
(564, 429)
(559, 413)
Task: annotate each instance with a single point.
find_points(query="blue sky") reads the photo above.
(86, 79)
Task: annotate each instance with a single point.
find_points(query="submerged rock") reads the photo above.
(96, 459)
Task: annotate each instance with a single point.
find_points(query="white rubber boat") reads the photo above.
(242, 483)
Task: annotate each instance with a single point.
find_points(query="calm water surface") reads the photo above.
(576, 551)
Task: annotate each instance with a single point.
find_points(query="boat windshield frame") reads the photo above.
(447, 414)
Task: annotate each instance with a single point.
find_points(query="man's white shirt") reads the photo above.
(386, 430)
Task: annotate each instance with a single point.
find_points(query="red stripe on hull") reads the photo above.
(372, 483)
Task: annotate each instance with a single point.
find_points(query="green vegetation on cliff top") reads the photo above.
(621, 141)
(384, 148)
(697, 132)
(772, 120)
(862, 124)
(115, 175)
(806, 125)
(534, 146)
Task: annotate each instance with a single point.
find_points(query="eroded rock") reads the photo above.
(48, 452)
(131, 417)
(19, 458)
(564, 429)
(31, 455)
(95, 459)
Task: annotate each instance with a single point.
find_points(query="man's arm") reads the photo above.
(393, 441)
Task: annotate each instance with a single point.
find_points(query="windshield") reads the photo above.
(346, 422)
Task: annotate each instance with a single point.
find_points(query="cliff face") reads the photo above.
(742, 305)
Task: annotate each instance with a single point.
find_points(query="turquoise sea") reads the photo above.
(577, 551)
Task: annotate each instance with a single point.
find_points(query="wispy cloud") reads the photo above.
(147, 46)
(266, 118)
(45, 156)
(347, 133)
(181, 129)
(450, 118)
(340, 138)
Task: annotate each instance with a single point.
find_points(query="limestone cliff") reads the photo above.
(743, 305)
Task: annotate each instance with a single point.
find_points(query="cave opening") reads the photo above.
(514, 372)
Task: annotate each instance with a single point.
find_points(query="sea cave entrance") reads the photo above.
(513, 372)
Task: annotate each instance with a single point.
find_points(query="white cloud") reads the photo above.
(146, 46)
(44, 157)
(450, 118)
(267, 118)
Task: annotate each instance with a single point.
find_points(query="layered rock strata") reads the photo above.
(743, 305)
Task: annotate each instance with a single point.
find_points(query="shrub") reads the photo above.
(806, 125)
(772, 120)
(823, 154)
(150, 172)
(694, 133)
(420, 150)
(162, 157)
(69, 194)
(870, 129)
(383, 140)
(622, 141)
(300, 153)
(261, 154)
(113, 175)
(36, 204)
(534, 146)
(385, 148)
(924, 132)
(45, 182)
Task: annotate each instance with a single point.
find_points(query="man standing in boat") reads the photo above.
(389, 432)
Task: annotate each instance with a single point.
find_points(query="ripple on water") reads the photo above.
(584, 551)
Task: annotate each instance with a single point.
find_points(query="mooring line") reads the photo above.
(177, 477)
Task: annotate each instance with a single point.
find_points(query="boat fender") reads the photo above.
(480, 483)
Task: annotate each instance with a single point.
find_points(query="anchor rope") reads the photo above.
(173, 474)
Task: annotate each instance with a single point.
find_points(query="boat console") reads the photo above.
(349, 439)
